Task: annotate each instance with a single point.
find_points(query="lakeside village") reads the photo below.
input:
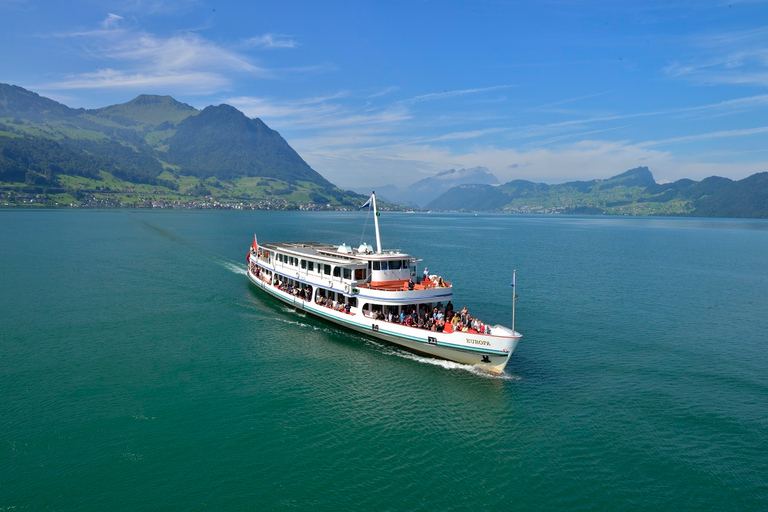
(14, 199)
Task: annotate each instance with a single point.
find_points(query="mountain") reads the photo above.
(423, 191)
(153, 140)
(146, 110)
(633, 192)
(221, 141)
(20, 103)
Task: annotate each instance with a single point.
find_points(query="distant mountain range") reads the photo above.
(153, 140)
(634, 192)
(156, 149)
(423, 191)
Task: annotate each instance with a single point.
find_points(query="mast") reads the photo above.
(514, 299)
(376, 223)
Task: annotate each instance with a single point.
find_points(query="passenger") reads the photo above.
(410, 285)
(402, 316)
(347, 307)
(426, 274)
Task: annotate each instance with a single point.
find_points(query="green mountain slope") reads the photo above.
(631, 193)
(145, 110)
(18, 102)
(153, 140)
(222, 142)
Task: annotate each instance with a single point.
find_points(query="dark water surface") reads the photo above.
(140, 370)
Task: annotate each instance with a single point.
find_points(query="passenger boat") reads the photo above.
(376, 293)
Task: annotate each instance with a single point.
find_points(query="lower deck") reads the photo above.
(490, 350)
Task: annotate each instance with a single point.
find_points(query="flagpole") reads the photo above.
(514, 299)
(376, 223)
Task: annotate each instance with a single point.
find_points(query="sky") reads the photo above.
(390, 92)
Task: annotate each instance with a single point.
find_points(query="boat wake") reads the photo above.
(302, 324)
(445, 364)
(450, 365)
(232, 266)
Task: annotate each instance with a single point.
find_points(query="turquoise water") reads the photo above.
(140, 370)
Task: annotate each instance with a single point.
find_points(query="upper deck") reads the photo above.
(386, 271)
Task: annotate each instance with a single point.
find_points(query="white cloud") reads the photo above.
(111, 21)
(184, 62)
(197, 82)
(404, 164)
(321, 113)
(270, 41)
(734, 58)
(710, 135)
(455, 93)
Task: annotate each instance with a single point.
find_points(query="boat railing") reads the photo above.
(397, 286)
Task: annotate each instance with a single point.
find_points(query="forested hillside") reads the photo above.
(156, 141)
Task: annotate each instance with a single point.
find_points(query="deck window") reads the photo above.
(376, 265)
(394, 265)
(304, 264)
(347, 273)
(311, 266)
(383, 265)
(336, 271)
(327, 270)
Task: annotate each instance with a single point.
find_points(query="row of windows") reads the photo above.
(390, 265)
(321, 267)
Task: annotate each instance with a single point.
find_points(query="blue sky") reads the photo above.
(389, 92)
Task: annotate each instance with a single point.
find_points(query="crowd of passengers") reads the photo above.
(334, 304)
(306, 294)
(440, 319)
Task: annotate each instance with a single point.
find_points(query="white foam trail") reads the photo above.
(233, 267)
(301, 324)
(450, 365)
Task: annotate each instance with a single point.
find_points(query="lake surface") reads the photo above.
(139, 369)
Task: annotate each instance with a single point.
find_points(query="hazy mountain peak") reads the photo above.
(482, 173)
(155, 100)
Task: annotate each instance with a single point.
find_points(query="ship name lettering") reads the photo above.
(478, 342)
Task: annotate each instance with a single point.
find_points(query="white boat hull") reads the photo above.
(489, 352)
